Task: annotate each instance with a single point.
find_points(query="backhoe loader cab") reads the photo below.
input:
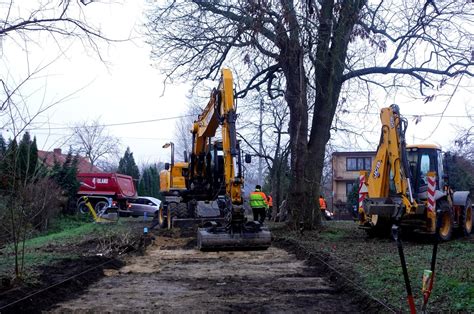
(422, 160)
(407, 186)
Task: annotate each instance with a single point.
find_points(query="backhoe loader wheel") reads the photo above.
(466, 218)
(446, 221)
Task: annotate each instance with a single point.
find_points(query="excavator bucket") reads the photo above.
(252, 236)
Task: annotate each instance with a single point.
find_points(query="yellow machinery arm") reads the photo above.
(214, 174)
(238, 232)
(220, 110)
(391, 159)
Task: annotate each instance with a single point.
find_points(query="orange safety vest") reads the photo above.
(322, 204)
(270, 201)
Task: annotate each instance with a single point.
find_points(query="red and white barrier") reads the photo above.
(431, 193)
(362, 192)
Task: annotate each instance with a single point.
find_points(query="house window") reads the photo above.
(358, 163)
(349, 187)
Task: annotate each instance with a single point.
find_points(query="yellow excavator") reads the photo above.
(207, 189)
(407, 185)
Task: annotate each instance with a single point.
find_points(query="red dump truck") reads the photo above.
(102, 188)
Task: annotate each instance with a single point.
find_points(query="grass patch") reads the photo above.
(375, 265)
(63, 240)
(32, 260)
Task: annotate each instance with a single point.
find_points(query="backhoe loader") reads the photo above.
(207, 189)
(407, 185)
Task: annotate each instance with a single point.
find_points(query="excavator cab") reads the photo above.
(173, 178)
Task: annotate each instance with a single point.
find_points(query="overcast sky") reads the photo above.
(126, 88)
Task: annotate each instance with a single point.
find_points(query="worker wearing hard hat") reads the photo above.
(259, 204)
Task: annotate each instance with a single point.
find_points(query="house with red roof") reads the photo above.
(48, 158)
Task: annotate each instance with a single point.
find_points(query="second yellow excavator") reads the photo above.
(207, 189)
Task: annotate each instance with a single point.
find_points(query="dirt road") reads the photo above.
(174, 276)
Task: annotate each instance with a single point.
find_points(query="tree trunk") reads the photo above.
(331, 55)
(307, 157)
(299, 204)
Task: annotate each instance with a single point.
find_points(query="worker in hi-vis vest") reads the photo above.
(324, 209)
(270, 206)
(259, 204)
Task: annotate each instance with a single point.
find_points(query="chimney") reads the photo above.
(57, 151)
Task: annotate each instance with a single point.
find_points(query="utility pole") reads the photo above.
(260, 144)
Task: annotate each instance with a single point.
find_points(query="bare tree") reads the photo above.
(314, 48)
(464, 141)
(264, 135)
(94, 142)
(59, 18)
(183, 128)
(27, 198)
(26, 24)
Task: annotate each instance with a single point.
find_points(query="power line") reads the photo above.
(428, 115)
(127, 137)
(113, 124)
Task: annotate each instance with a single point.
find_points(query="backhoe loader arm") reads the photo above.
(220, 110)
(390, 160)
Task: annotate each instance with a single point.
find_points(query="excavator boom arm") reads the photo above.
(220, 110)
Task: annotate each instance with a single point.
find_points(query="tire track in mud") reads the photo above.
(171, 278)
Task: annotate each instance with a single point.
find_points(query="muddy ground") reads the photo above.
(173, 276)
(335, 269)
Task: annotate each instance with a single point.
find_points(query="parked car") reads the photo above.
(144, 204)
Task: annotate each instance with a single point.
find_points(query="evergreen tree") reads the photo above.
(149, 184)
(27, 158)
(8, 166)
(33, 162)
(128, 166)
(55, 169)
(460, 171)
(65, 176)
(3, 146)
